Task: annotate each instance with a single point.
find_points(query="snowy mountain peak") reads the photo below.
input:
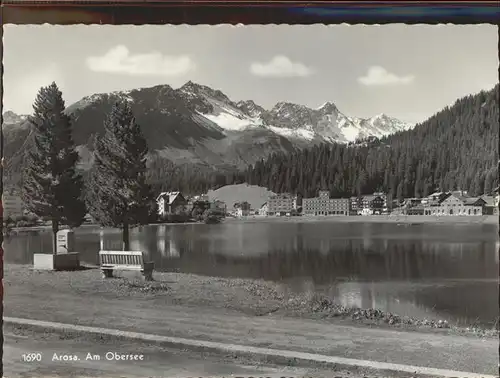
(286, 114)
(286, 106)
(212, 109)
(382, 116)
(327, 107)
(251, 108)
(199, 89)
(11, 118)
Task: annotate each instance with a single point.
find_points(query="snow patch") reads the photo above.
(350, 133)
(228, 117)
(322, 106)
(228, 121)
(302, 133)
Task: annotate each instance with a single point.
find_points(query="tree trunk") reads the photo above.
(125, 237)
(55, 229)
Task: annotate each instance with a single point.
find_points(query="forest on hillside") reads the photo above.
(456, 148)
(163, 175)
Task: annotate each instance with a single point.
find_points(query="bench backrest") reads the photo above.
(121, 258)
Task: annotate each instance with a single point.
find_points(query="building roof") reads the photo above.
(462, 193)
(461, 198)
(170, 196)
(435, 194)
(473, 200)
(442, 196)
(370, 197)
(489, 200)
(282, 196)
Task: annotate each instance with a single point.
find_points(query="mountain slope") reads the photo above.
(328, 124)
(456, 149)
(200, 125)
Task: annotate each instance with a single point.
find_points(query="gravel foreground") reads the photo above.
(251, 297)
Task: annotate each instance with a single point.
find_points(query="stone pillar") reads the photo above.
(65, 241)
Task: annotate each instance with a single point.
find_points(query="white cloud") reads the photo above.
(118, 60)
(280, 66)
(380, 76)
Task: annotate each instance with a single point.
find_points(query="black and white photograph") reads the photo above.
(250, 200)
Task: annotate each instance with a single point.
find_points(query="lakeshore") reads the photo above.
(401, 219)
(24, 286)
(253, 312)
(398, 219)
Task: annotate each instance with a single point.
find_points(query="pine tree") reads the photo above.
(52, 186)
(119, 195)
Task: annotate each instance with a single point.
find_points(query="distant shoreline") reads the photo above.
(398, 219)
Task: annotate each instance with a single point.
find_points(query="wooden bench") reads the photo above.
(125, 260)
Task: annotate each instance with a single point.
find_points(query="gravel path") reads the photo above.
(156, 361)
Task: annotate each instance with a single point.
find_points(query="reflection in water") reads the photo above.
(161, 241)
(164, 237)
(423, 270)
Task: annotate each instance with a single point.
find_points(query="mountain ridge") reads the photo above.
(204, 99)
(199, 124)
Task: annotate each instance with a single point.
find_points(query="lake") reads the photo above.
(434, 271)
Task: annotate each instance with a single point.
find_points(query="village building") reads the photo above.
(281, 204)
(263, 210)
(218, 207)
(241, 209)
(240, 212)
(197, 199)
(491, 205)
(454, 203)
(412, 206)
(324, 205)
(354, 205)
(201, 198)
(170, 203)
(375, 203)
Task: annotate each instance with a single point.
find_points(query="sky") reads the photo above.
(406, 71)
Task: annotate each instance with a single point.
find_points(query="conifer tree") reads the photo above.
(52, 186)
(119, 195)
